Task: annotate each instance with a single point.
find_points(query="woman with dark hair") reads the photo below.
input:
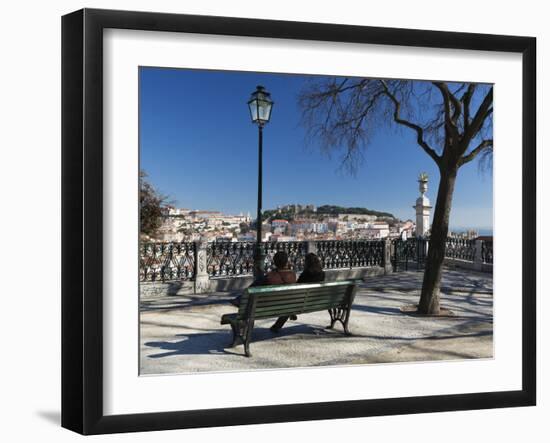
(312, 273)
(313, 270)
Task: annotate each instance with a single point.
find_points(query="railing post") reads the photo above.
(425, 247)
(388, 269)
(478, 260)
(311, 247)
(202, 280)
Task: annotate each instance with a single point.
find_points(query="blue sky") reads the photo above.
(199, 147)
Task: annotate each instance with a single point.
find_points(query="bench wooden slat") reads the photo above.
(279, 313)
(321, 307)
(261, 298)
(326, 300)
(301, 302)
(297, 304)
(266, 300)
(281, 300)
(299, 286)
(290, 311)
(305, 298)
(325, 293)
(286, 297)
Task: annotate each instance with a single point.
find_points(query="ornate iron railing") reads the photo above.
(409, 253)
(487, 251)
(350, 254)
(296, 251)
(460, 248)
(177, 261)
(225, 259)
(166, 261)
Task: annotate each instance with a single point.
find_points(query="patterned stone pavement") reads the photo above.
(183, 334)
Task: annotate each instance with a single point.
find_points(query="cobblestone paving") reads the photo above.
(183, 334)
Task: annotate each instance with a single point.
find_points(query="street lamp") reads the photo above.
(260, 105)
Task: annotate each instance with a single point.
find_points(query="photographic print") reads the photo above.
(246, 208)
(293, 221)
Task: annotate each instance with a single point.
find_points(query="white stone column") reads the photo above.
(422, 207)
(311, 247)
(202, 280)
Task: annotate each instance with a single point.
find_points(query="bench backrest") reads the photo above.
(281, 300)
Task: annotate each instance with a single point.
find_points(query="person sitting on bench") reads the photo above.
(313, 270)
(312, 273)
(281, 275)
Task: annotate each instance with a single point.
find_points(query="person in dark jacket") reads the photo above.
(312, 273)
(313, 270)
(281, 275)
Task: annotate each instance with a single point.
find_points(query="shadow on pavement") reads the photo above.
(217, 342)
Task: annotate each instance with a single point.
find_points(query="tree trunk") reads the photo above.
(429, 298)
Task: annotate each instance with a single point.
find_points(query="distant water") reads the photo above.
(485, 231)
(480, 231)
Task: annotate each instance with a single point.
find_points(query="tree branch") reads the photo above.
(473, 154)
(466, 99)
(484, 110)
(457, 104)
(448, 98)
(419, 131)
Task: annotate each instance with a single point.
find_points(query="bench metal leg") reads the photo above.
(341, 315)
(237, 328)
(248, 337)
(242, 334)
(334, 315)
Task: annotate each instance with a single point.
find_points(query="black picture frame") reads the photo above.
(82, 215)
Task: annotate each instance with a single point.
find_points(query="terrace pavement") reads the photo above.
(181, 334)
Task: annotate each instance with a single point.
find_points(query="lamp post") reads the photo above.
(260, 105)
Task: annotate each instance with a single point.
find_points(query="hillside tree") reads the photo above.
(152, 207)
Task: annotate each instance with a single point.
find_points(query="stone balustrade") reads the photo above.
(201, 267)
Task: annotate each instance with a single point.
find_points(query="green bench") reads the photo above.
(262, 302)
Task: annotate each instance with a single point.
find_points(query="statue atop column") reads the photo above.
(422, 207)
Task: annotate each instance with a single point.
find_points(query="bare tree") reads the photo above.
(452, 124)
